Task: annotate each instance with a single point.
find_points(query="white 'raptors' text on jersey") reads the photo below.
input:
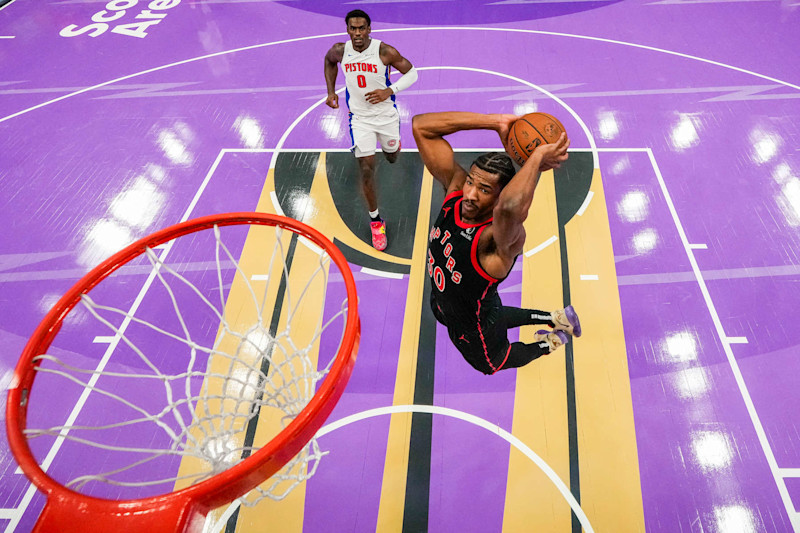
(365, 72)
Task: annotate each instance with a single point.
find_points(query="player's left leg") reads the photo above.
(545, 342)
(389, 137)
(377, 226)
(366, 175)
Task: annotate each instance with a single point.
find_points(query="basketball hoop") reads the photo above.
(207, 412)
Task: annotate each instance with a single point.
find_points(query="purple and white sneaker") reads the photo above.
(567, 320)
(554, 339)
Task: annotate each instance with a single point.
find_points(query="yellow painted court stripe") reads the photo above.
(532, 502)
(287, 515)
(323, 216)
(240, 310)
(609, 467)
(395, 470)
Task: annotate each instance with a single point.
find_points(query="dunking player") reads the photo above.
(366, 63)
(478, 236)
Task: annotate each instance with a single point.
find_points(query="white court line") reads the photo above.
(328, 149)
(310, 245)
(275, 203)
(585, 203)
(587, 132)
(734, 365)
(429, 28)
(589, 277)
(735, 340)
(790, 472)
(16, 514)
(259, 277)
(545, 244)
(443, 411)
(382, 273)
(104, 339)
(7, 36)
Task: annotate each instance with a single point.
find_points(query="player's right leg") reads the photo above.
(364, 142)
(565, 320)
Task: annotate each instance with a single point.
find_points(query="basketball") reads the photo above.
(531, 131)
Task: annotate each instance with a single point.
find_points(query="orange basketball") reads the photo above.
(531, 131)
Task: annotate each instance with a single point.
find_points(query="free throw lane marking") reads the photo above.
(541, 247)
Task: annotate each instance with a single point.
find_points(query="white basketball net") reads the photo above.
(233, 372)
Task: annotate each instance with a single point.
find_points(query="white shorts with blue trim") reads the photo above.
(367, 133)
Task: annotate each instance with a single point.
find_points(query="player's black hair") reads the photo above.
(357, 13)
(497, 163)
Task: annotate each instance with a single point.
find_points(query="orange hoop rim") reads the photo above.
(245, 475)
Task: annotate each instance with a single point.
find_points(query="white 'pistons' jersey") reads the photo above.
(365, 72)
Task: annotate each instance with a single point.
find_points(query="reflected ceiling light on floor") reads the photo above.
(77, 316)
(711, 450)
(301, 205)
(765, 145)
(256, 343)
(523, 108)
(174, 148)
(331, 126)
(250, 131)
(633, 207)
(607, 125)
(684, 135)
(105, 237)
(645, 241)
(782, 173)
(691, 384)
(789, 201)
(621, 165)
(679, 347)
(139, 204)
(155, 172)
(735, 519)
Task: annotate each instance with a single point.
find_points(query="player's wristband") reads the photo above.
(405, 81)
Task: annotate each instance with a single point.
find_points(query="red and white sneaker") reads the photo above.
(378, 235)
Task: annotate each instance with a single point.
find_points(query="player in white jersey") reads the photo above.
(366, 63)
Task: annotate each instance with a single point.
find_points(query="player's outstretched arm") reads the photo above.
(437, 154)
(332, 59)
(515, 199)
(429, 130)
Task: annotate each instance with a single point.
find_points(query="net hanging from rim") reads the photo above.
(204, 383)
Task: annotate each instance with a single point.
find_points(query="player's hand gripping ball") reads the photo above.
(530, 131)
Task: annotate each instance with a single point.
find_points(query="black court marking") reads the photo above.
(255, 409)
(572, 181)
(397, 187)
(294, 175)
(418, 477)
(357, 257)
